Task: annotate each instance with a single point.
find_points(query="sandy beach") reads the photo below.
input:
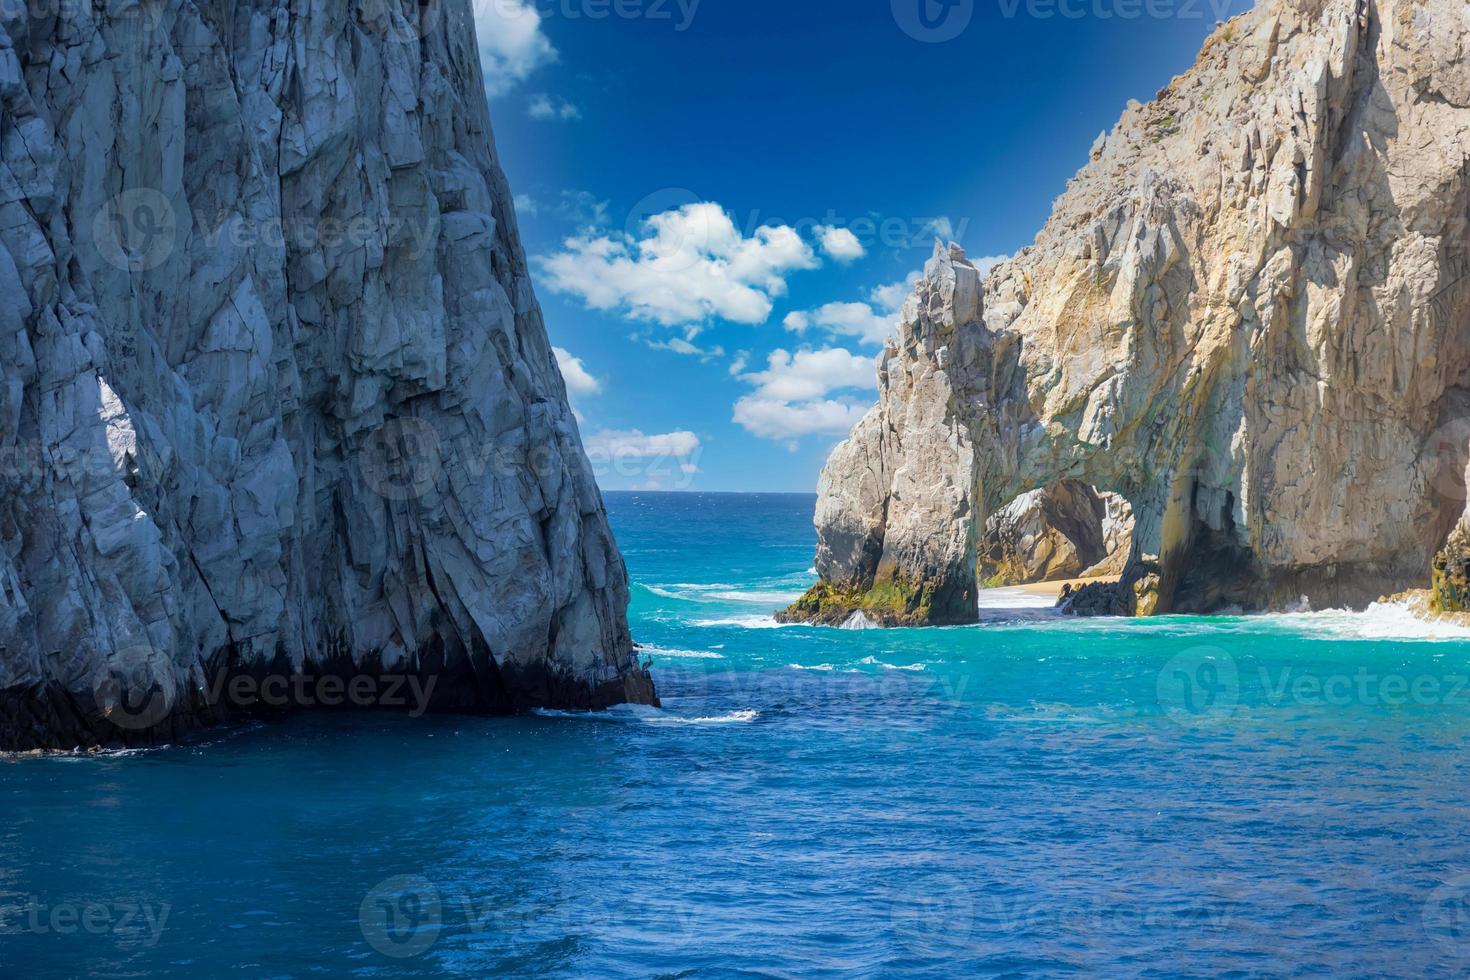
(1053, 590)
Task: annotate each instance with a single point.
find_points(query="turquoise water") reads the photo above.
(1276, 795)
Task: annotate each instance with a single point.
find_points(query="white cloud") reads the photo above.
(870, 322)
(985, 263)
(634, 444)
(840, 244)
(512, 44)
(579, 380)
(942, 227)
(792, 396)
(690, 265)
(545, 106)
(681, 345)
(525, 204)
(890, 298)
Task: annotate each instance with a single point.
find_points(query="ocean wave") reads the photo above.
(744, 716)
(746, 622)
(875, 662)
(648, 715)
(653, 651)
(769, 597)
(1382, 621)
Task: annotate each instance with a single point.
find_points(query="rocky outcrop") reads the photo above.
(1048, 535)
(1249, 315)
(275, 394)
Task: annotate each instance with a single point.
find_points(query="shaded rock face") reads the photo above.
(1063, 531)
(275, 393)
(1249, 315)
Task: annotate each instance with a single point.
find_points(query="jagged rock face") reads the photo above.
(1249, 315)
(1052, 534)
(277, 395)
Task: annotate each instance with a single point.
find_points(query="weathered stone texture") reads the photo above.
(275, 392)
(1249, 314)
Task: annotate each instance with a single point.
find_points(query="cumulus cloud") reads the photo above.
(794, 395)
(686, 266)
(634, 444)
(579, 380)
(987, 262)
(840, 244)
(512, 44)
(545, 106)
(869, 322)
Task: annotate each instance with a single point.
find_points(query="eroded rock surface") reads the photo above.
(1059, 532)
(1249, 315)
(275, 392)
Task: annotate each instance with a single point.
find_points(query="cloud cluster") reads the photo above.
(686, 266)
(794, 395)
(840, 244)
(544, 106)
(579, 380)
(870, 322)
(512, 44)
(634, 444)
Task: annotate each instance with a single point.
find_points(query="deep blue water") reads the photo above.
(1278, 795)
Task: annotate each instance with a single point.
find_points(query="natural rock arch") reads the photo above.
(1249, 315)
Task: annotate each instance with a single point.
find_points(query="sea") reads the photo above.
(1282, 795)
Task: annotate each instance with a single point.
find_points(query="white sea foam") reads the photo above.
(859, 621)
(1380, 621)
(625, 713)
(824, 668)
(746, 622)
(680, 654)
(733, 718)
(875, 662)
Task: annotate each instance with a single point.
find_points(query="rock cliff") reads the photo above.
(1249, 315)
(275, 394)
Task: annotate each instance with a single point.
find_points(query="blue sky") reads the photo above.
(722, 199)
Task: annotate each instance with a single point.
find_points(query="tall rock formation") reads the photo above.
(275, 393)
(1249, 314)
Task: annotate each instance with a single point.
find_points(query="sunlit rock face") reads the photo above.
(1249, 315)
(275, 392)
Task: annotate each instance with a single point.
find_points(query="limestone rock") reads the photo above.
(1047, 535)
(1249, 315)
(275, 393)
